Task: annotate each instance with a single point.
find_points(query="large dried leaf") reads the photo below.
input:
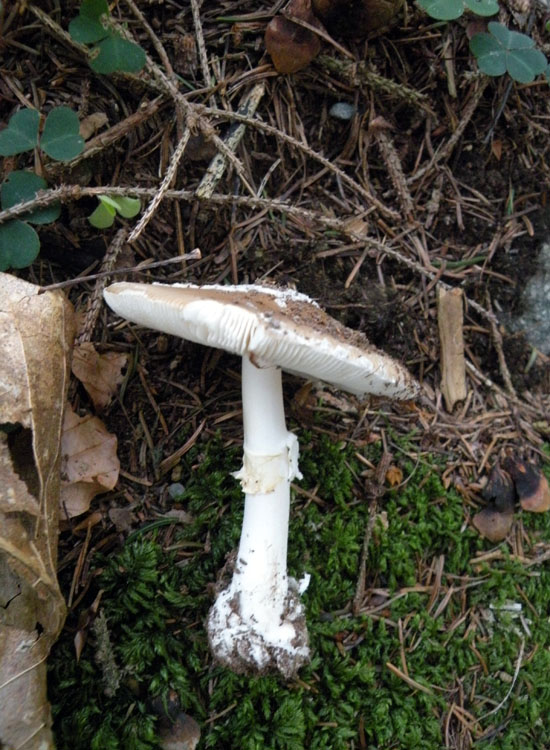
(100, 374)
(36, 332)
(90, 464)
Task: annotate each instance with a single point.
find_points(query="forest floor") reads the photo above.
(423, 634)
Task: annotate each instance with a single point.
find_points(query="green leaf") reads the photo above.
(87, 30)
(491, 58)
(502, 50)
(94, 9)
(61, 139)
(524, 65)
(103, 217)
(509, 39)
(443, 10)
(23, 186)
(21, 134)
(108, 201)
(19, 245)
(117, 54)
(483, 7)
(128, 207)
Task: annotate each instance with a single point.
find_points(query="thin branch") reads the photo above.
(165, 184)
(145, 266)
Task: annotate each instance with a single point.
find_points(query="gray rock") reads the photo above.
(534, 319)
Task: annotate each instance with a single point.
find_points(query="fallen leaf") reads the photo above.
(394, 475)
(89, 464)
(92, 123)
(36, 333)
(291, 46)
(496, 148)
(181, 515)
(357, 227)
(100, 374)
(123, 518)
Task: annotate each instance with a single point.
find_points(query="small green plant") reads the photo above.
(110, 52)
(449, 10)
(503, 51)
(499, 50)
(19, 242)
(60, 140)
(104, 215)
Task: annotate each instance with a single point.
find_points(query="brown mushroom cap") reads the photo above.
(492, 524)
(531, 485)
(500, 490)
(273, 327)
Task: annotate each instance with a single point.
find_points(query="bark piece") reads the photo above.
(453, 367)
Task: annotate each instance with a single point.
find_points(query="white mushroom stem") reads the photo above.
(270, 463)
(259, 619)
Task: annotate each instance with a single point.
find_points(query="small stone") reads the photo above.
(342, 110)
(176, 490)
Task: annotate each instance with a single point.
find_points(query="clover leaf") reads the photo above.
(112, 52)
(87, 28)
(19, 245)
(104, 215)
(117, 54)
(61, 137)
(21, 134)
(501, 50)
(23, 186)
(443, 10)
(482, 7)
(449, 10)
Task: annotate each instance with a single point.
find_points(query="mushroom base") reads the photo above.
(248, 646)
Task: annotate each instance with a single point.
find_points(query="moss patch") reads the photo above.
(433, 653)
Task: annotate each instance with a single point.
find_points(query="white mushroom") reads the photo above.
(258, 622)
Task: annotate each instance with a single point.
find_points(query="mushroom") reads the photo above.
(531, 484)
(257, 624)
(495, 520)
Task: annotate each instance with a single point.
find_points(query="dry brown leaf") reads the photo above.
(394, 475)
(92, 123)
(100, 374)
(290, 46)
(36, 333)
(89, 463)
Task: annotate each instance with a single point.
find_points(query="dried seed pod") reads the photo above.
(355, 18)
(292, 47)
(492, 524)
(531, 485)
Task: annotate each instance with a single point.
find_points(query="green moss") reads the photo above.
(463, 648)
